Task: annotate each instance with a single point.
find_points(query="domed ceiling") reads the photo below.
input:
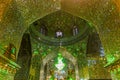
(73, 29)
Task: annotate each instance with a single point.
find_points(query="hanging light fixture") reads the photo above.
(60, 65)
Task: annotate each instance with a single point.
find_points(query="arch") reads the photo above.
(83, 9)
(65, 54)
(86, 9)
(41, 16)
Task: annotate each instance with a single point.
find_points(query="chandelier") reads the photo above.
(60, 64)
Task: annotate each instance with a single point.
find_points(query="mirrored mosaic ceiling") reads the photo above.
(17, 15)
(60, 28)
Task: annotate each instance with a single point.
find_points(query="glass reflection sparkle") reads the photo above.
(60, 65)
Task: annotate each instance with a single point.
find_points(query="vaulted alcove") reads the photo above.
(88, 30)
